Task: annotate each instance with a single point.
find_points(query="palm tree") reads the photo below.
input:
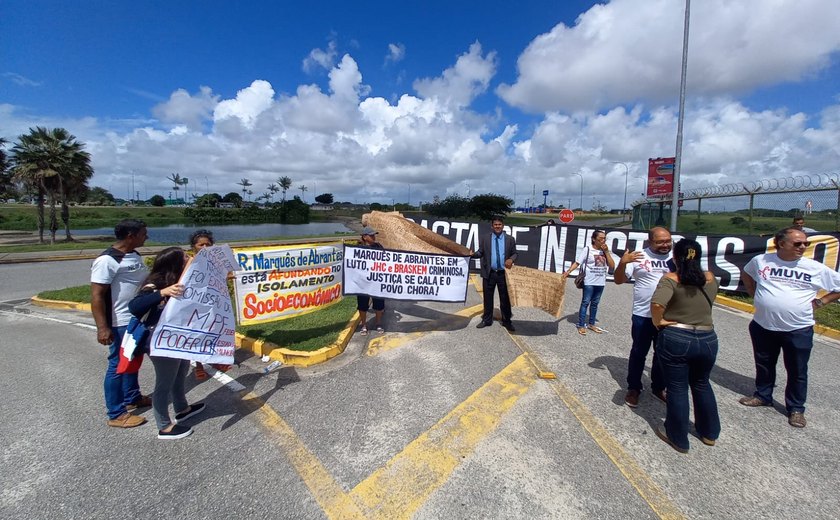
(185, 181)
(176, 180)
(55, 165)
(273, 189)
(303, 190)
(244, 183)
(285, 183)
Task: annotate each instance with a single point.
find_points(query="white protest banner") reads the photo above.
(405, 275)
(199, 325)
(279, 282)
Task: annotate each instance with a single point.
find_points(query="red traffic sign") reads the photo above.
(566, 215)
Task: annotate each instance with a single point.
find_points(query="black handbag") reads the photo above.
(582, 272)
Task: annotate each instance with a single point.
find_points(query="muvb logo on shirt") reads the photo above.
(650, 265)
(783, 273)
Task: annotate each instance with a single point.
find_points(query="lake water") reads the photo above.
(180, 233)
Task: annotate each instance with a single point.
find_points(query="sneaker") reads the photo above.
(126, 420)
(380, 330)
(797, 420)
(662, 395)
(194, 409)
(177, 432)
(662, 434)
(144, 401)
(753, 401)
(363, 331)
(632, 398)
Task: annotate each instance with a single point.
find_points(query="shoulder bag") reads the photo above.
(582, 271)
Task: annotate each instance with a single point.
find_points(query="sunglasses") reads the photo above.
(801, 244)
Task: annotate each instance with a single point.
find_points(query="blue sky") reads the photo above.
(361, 99)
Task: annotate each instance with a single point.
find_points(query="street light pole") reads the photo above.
(675, 193)
(626, 171)
(581, 188)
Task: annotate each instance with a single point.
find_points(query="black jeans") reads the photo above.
(644, 334)
(489, 284)
(795, 346)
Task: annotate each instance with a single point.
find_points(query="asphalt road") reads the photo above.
(435, 419)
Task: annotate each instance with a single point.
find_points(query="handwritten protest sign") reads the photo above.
(405, 275)
(199, 325)
(279, 282)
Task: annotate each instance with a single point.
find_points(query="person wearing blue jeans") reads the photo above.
(595, 260)
(681, 308)
(645, 268)
(589, 301)
(121, 390)
(687, 358)
(115, 276)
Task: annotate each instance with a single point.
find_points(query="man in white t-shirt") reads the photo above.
(115, 277)
(784, 287)
(645, 268)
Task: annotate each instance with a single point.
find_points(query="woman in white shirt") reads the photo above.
(596, 260)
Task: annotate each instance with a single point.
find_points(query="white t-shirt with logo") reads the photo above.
(785, 289)
(596, 266)
(645, 274)
(124, 278)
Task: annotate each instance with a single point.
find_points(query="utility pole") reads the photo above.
(675, 193)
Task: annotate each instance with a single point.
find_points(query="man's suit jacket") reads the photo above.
(485, 251)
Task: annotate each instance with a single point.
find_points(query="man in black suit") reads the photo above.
(497, 252)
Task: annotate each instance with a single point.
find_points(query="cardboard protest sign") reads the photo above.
(279, 282)
(528, 287)
(199, 325)
(405, 275)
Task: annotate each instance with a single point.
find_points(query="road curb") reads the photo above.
(257, 346)
(60, 304)
(300, 358)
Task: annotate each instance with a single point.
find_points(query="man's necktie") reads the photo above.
(498, 255)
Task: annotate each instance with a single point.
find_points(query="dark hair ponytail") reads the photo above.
(687, 255)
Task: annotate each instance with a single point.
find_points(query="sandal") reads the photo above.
(596, 329)
(582, 331)
(363, 331)
(380, 330)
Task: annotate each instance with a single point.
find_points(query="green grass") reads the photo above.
(721, 224)
(827, 316)
(308, 332)
(24, 216)
(80, 294)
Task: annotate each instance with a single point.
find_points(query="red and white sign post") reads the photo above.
(566, 215)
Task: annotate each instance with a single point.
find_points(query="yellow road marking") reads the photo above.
(402, 486)
(335, 502)
(650, 492)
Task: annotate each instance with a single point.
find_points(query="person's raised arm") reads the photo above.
(620, 274)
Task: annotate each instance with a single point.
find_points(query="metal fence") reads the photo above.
(753, 208)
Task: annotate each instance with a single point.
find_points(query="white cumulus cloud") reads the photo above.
(627, 51)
